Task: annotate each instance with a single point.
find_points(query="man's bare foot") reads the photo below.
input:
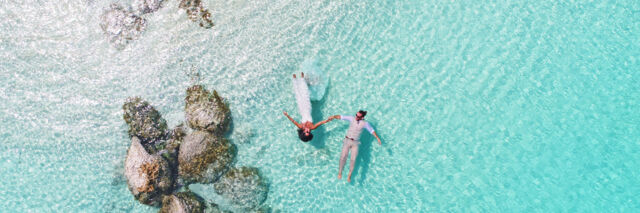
(339, 175)
(349, 178)
(294, 75)
(302, 74)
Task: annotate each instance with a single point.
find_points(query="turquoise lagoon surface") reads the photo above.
(494, 106)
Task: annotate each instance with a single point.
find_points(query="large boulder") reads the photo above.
(204, 157)
(144, 121)
(243, 187)
(197, 12)
(206, 111)
(121, 25)
(148, 176)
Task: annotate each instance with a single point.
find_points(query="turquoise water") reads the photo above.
(495, 106)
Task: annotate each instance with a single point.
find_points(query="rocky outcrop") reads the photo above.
(243, 187)
(160, 161)
(121, 25)
(206, 111)
(197, 12)
(204, 157)
(148, 176)
(144, 121)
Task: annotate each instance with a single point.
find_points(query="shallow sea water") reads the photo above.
(495, 106)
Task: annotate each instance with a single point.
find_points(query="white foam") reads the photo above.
(315, 78)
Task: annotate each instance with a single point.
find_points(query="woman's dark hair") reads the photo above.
(304, 138)
(363, 113)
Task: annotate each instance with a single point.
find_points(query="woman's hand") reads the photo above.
(285, 113)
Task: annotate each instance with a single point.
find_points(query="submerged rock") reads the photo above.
(204, 157)
(121, 25)
(144, 121)
(148, 6)
(243, 187)
(148, 176)
(197, 13)
(206, 111)
(187, 202)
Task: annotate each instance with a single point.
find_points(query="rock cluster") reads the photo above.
(122, 25)
(159, 161)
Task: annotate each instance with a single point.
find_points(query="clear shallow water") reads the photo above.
(494, 106)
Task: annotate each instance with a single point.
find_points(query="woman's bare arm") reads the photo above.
(322, 122)
(291, 119)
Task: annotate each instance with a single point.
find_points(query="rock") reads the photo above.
(144, 121)
(243, 187)
(204, 157)
(121, 26)
(148, 176)
(206, 111)
(170, 150)
(187, 202)
(148, 6)
(197, 13)
(176, 136)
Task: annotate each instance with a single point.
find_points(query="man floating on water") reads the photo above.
(352, 139)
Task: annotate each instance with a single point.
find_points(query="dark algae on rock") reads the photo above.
(145, 122)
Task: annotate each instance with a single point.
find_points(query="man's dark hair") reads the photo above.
(363, 113)
(304, 138)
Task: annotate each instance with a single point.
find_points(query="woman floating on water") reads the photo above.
(305, 126)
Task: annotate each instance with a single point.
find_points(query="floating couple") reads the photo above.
(356, 124)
